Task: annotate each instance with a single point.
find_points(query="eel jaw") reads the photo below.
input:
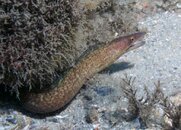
(136, 45)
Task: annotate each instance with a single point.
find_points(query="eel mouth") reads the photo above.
(138, 41)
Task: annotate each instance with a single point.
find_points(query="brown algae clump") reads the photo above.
(35, 41)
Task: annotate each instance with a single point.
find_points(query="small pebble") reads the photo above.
(11, 119)
(103, 90)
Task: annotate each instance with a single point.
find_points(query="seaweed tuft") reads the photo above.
(173, 113)
(35, 42)
(142, 107)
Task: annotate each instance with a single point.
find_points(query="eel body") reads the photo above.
(66, 89)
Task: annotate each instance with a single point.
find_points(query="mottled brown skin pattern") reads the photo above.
(95, 61)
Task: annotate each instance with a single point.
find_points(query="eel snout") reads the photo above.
(136, 40)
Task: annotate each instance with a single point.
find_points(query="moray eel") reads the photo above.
(65, 90)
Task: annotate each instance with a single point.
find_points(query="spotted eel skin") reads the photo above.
(65, 90)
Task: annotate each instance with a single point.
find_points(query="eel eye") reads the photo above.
(132, 38)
